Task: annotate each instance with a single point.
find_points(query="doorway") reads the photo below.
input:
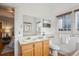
(6, 31)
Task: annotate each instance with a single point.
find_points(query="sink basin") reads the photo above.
(31, 39)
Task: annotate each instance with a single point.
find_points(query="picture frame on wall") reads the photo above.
(27, 27)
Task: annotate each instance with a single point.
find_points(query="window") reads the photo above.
(64, 22)
(77, 19)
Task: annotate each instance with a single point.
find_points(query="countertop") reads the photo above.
(31, 40)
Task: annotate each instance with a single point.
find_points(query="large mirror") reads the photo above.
(31, 25)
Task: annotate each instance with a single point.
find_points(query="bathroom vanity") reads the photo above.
(39, 47)
(34, 41)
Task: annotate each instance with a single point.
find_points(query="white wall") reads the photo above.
(18, 28)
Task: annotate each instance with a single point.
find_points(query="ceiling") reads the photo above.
(51, 9)
(54, 7)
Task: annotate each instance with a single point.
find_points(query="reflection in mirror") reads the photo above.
(31, 25)
(46, 23)
(38, 27)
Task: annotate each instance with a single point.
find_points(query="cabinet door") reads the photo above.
(27, 50)
(45, 48)
(38, 49)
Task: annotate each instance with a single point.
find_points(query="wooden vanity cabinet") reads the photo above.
(45, 48)
(27, 50)
(40, 48)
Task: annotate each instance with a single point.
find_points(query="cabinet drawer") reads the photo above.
(46, 42)
(27, 46)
